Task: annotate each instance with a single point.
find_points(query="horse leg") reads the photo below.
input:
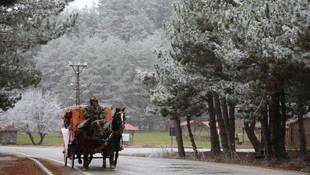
(112, 165)
(115, 159)
(104, 165)
(85, 166)
(89, 160)
(79, 156)
(79, 159)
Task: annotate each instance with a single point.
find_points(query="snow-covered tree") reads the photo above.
(176, 94)
(267, 42)
(194, 36)
(36, 113)
(245, 49)
(125, 20)
(100, 38)
(23, 25)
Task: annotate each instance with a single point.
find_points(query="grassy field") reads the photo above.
(23, 139)
(155, 138)
(163, 138)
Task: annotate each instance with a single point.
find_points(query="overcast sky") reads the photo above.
(82, 3)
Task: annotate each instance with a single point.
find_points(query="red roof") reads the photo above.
(203, 122)
(129, 127)
(293, 121)
(9, 128)
(185, 123)
(207, 123)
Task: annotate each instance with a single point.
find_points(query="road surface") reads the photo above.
(131, 165)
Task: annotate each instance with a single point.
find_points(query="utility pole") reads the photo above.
(78, 68)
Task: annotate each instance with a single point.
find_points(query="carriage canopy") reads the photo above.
(75, 114)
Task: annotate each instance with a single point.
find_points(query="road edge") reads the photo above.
(40, 166)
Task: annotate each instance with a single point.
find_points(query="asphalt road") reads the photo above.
(145, 165)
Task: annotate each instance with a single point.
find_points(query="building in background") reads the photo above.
(293, 134)
(8, 135)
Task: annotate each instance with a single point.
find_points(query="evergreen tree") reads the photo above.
(266, 39)
(24, 24)
(194, 37)
(176, 94)
(244, 49)
(97, 38)
(125, 20)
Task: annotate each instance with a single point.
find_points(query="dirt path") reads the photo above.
(11, 164)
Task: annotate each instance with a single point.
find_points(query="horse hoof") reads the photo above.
(83, 169)
(112, 166)
(104, 166)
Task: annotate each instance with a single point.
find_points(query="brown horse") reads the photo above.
(117, 127)
(90, 141)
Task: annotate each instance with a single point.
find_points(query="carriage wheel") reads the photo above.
(65, 152)
(66, 159)
(72, 161)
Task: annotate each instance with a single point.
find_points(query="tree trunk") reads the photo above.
(132, 137)
(31, 137)
(190, 134)
(179, 139)
(41, 138)
(168, 124)
(140, 126)
(226, 123)
(302, 137)
(251, 135)
(215, 144)
(276, 123)
(301, 129)
(151, 123)
(232, 126)
(283, 117)
(221, 125)
(265, 132)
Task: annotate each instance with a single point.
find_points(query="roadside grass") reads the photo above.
(154, 138)
(23, 139)
(163, 138)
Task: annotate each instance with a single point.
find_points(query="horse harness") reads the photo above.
(120, 131)
(107, 128)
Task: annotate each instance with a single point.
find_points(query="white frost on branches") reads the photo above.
(265, 29)
(36, 112)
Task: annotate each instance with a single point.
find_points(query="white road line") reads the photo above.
(27, 155)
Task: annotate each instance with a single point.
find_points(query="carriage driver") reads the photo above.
(94, 110)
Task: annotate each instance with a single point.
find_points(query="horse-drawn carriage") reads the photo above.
(83, 138)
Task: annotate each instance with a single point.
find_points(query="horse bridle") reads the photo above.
(120, 131)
